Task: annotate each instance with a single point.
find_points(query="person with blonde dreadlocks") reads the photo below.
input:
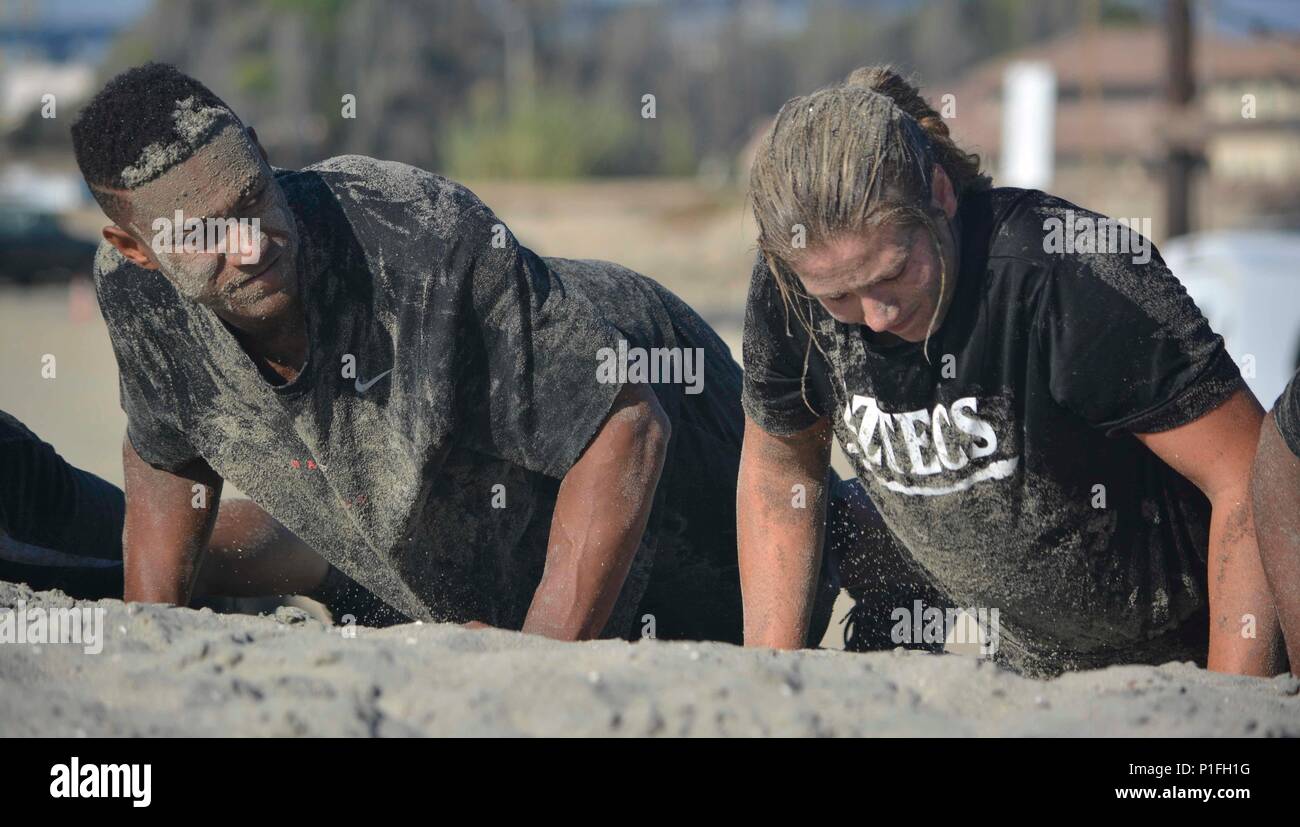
(1043, 421)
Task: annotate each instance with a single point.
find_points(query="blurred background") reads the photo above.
(1186, 114)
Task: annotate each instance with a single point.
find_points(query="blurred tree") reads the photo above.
(555, 87)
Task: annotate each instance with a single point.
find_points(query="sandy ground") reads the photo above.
(178, 671)
(168, 671)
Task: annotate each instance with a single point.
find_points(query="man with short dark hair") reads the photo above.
(428, 404)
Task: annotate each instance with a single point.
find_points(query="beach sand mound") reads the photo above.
(168, 671)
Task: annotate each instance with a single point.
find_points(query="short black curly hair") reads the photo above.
(133, 111)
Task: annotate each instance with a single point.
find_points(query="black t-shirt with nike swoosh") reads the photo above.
(450, 385)
(1006, 464)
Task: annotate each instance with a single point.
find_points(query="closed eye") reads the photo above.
(902, 268)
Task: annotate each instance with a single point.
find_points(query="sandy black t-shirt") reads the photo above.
(1286, 413)
(428, 472)
(1006, 464)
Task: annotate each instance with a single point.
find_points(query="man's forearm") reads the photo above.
(161, 557)
(169, 517)
(600, 516)
(155, 576)
(1245, 636)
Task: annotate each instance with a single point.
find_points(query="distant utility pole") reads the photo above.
(1182, 157)
(517, 34)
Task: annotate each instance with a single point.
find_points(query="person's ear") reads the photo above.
(942, 194)
(252, 136)
(131, 249)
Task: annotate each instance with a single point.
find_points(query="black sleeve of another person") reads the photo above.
(46, 502)
(1286, 414)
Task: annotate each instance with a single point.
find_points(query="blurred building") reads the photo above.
(1112, 123)
(24, 85)
(51, 49)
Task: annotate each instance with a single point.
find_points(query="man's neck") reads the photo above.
(277, 346)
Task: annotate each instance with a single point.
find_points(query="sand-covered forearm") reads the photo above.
(1244, 633)
(169, 517)
(781, 515)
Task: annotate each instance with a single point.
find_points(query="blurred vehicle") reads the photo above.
(1247, 283)
(34, 248)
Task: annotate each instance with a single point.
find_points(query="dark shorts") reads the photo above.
(89, 579)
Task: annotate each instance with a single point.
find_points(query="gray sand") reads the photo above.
(195, 124)
(166, 671)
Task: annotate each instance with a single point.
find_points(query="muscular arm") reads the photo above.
(1215, 452)
(164, 536)
(1275, 493)
(781, 542)
(600, 515)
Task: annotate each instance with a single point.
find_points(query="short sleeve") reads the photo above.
(1128, 349)
(156, 442)
(1286, 414)
(124, 292)
(778, 392)
(539, 399)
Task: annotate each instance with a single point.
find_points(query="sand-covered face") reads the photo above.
(889, 278)
(226, 178)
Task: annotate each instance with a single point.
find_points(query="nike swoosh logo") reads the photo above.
(362, 387)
